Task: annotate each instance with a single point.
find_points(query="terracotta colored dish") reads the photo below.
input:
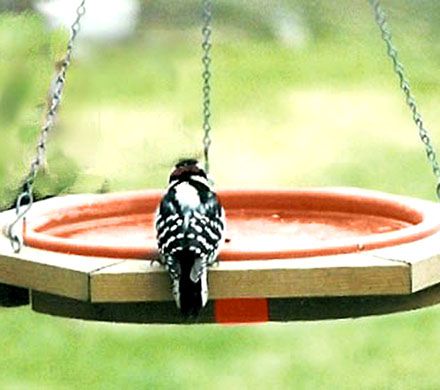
(260, 224)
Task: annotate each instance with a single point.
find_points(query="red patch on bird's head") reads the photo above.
(185, 169)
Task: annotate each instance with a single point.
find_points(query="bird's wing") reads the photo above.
(199, 229)
(167, 222)
(209, 225)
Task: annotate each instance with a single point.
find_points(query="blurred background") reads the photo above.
(303, 95)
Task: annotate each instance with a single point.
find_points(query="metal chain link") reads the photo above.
(424, 135)
(206, 75)
(25, 199)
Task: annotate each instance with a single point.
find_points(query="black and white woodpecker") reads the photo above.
(189, 223)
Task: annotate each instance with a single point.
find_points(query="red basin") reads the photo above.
(260, 224)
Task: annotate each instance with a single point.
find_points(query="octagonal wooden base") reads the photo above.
(364, 282)
(277, 309)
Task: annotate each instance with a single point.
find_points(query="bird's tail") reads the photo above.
(193, 293)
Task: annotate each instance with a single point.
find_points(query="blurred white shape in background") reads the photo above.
(289, 27)
(105, 20)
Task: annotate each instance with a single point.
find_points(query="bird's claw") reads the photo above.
(155, 261)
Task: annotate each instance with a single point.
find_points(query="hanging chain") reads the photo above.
(206, 75)
(26, 198)
(424, 135)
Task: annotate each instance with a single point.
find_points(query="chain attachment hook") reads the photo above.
(21, 209)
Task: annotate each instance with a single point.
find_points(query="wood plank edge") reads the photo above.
(424, 272)
(125, 282)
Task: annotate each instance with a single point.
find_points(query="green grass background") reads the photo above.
(328, 113)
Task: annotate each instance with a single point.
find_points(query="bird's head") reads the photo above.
(188, 169)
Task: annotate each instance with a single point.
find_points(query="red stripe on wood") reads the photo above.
(241, 311)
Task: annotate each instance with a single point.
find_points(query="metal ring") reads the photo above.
(16, 243)
(19, 204)
(14, 240)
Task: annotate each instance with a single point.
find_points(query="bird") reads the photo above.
(190, 224)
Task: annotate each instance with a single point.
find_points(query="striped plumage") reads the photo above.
(189, 225)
